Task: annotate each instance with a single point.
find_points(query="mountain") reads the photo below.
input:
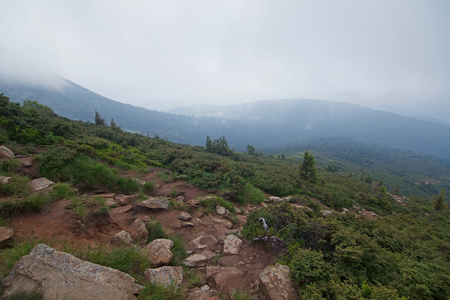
(290, 121)
(265, 124)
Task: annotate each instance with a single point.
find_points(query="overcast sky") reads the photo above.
(165, 54)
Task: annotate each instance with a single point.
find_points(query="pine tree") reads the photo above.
(98, 119)
(308, 171)
(439, 201)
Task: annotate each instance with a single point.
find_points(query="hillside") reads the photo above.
(265, 124)
(335, 236)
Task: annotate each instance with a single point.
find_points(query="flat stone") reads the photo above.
(40, 184)
(205, 242)
(110, 202)
(5, 152)
(123, 200)
(326, 213)
(229, 279)
(6, 236)
(229, 261)
(122, 238)
(26, 161)
(231, 245)
(223, 222)
(187, 224)
(52, 273)
(121, 210)
(106, 195)
(277, 283)
(165, 276)
(198, 260)
(212, 270)
(154, 203)
(184, 216)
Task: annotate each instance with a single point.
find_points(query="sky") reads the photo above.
(166, 54)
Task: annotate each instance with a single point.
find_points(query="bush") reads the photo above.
(212, 203)
(9, 165)
(127, 185)
(308, 266)
(251, 195)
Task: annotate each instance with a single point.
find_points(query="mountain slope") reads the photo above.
(265, 124)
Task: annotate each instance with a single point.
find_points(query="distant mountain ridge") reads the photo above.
(265, 124)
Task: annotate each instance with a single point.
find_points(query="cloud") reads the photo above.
(162, 54)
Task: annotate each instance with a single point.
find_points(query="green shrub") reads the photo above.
(149, 187)
(308, 266)
(127, 185)
(211, 203)
(62, 190)
(9, 165)
(17, 187)
(155, 230)
(252, 195)
(159, 292)
(34, 202)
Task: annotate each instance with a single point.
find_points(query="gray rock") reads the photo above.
(277, 283)
(6, 153)
(121, 210)
(326, 213)
(229, 279)
(205, 242)
(212, 271)
(6, 235)
(122, 238)
(40, 184)
(58, 275)
(201, 294)
(223, 222)
(198, 260)
(231, 245)
(158, 252)
(123, 200)
(221, 210)
(165, 276)
(184, 216)
(139, 232)
(154, 203)
(187, 224)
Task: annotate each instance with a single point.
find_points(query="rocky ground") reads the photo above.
(223, 260)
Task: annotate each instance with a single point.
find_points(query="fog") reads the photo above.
(165, 54)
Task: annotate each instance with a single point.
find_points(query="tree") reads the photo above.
(98, 119)
(308, 171)
(251, 150)
(439, 201)
(115, 127)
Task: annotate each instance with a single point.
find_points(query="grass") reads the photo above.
(8, 165)
(192, 277)
(167, 176)
(159, 292)
(251, 195)
(241, 295)
(211, 203)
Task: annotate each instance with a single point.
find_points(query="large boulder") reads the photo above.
(6, 236)
(158, 252)
(58, 275)
(165, 276)
(229, 279)
(139, 232)
(231, 245)
(277, 283)
(6, 153)
(154, 203)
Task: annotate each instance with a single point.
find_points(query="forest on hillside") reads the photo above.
(401, 253)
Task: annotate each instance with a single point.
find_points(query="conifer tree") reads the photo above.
(308, 171)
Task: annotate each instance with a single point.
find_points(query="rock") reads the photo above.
(139, 232)
(52, 273)
(184, 216)
(158, 252)
(198, 260)
(187, 224)
(140, 181)
(106, 195)
(5, 179)
(26, 161)
(6, 236)
(40, 184)
(165, 276)
(6, 153)
(223, 222)
(154, 203)
(121, 210)
(277, 284)
(232, 231)
(212, 270)
(229, 279)
(206, 242)
(123, 200)
(231, 245)
(181, 199)
(110, 202)
(221, 210)
(192, 202)
(199, 294)
(326, 213)
(122, 238)
(229, 261)
(205, 288)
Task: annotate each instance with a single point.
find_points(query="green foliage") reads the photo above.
(241, 295)
(308, 171)
(155, 230)
(252, 195)
(149, 187)
(309, 266)
(63, 190)
(98, 119)
(192, 277)
(439, 201)
(218, 146)
(210, 203)
(127, 185)
(159, 292)
(8, 165)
